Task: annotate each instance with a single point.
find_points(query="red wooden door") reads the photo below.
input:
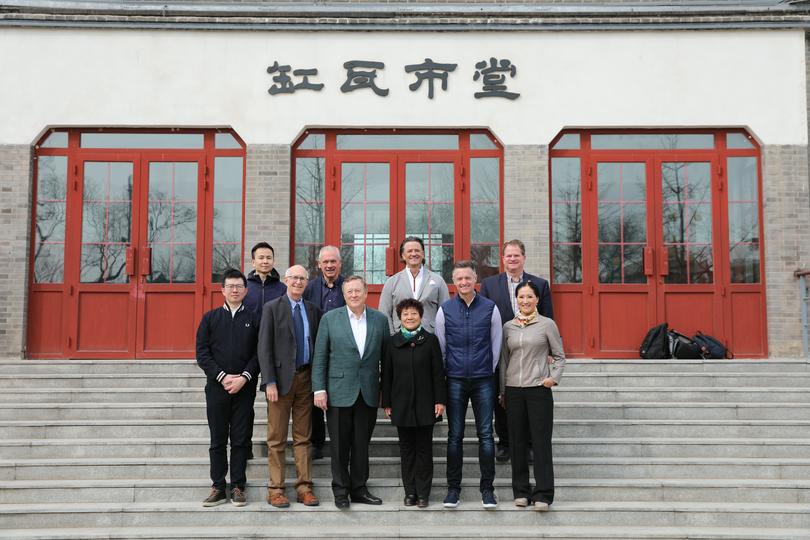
(620, 284)
(170, 272)
(101, 258)
(687, 251)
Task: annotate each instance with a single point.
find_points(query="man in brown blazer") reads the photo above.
(286, 346)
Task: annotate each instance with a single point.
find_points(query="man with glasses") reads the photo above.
(326, 292)
(226, 352)
(286, 345)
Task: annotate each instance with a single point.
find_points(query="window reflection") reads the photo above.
(687, 221)
(50, 219)
(566, 217)
(309, 210)
(106, 221)
(172, 222)
(365, 219)
(743, 220)
(397, 142)
(142, 140)
(485, 215)
(429, 200)
(662, 141)
(227, 240)
(622, 222)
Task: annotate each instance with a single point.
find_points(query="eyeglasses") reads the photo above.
(296, 278)
(236, 287)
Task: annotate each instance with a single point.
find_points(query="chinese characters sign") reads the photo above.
(489, 76)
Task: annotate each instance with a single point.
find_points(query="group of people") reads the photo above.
(321, 352)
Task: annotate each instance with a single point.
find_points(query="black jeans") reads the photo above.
(230, 416)
(350, 430)
(416, 456)
(531, 411)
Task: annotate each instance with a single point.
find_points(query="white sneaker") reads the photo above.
(521, 502)
(541, 506)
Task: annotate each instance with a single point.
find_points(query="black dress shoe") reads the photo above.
(366, 498)
(316, 452)
(410, 500)
(502, 454)
(341, 501)
(422, 502)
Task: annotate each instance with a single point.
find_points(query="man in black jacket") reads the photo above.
(226, 352)
(501, 290)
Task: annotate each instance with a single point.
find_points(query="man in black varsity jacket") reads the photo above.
(226, 352)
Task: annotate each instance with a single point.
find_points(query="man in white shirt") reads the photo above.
(346, 385)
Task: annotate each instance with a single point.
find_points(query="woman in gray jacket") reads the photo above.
(415, 281)
(532, 361)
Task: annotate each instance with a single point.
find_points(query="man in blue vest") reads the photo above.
(469, 330)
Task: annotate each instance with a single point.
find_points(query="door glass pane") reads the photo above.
(485, 214)
(738, 140)
(309, 211)
(429, 214)
(225, 141)
(569, 141)
(397, 142)
(49, 251)
(566, 218)
(142, 140)
(57, 139)
(479, 141)
(687, 221)
(172, 222)
(106, 221)
(743, 219)
(365, 219)
(622, 222)
(661, 141)
(313, 141)
(227, 239)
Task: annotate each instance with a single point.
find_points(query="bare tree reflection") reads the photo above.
(50, 220)
(106, 229)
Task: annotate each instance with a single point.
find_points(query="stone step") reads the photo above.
(389, 467)
(174, 447)
(73, 429)
(562, 394)
(648, 513)
(391, 490)
(575, 365)
(563, 410)
(412, 530)
(605, 380)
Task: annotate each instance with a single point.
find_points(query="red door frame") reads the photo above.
(334, 157)
(206, 292)
(724, 316)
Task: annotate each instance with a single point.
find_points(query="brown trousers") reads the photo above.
(297, 401)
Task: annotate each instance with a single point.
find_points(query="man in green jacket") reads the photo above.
(346, 383)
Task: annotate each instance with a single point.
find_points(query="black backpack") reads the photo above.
(656, 343)
(683, 347)
(712, 347)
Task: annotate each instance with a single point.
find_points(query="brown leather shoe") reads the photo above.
(307, 498)
(279, 500)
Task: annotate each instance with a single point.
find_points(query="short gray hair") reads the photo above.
(328, 248)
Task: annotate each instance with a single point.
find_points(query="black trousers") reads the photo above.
(531, 411)
(416, 457)
(230, 416)
(318, 437)
(350, 430)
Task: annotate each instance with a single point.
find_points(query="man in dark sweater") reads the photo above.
(226, 352)
(263, 282)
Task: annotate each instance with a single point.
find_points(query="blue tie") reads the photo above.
(298, 326)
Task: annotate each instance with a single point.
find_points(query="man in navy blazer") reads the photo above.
(501, 290)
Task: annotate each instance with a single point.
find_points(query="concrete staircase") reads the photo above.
(643, 449)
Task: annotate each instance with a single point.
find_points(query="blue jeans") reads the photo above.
(482, 394)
